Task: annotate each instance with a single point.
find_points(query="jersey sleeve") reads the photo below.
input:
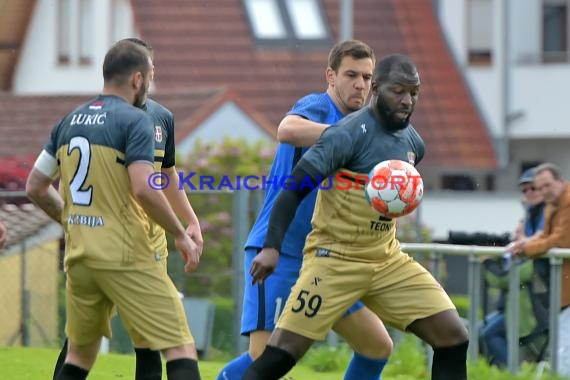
(332, 151)
(139, 140)
(419, 146)
(52, 144)
(312, 107)
(170, 148)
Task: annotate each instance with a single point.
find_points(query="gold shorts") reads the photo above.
(398, 290)
(146, 299)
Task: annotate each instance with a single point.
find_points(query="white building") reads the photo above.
(515, 56)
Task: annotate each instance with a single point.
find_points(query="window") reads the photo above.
(525, 165)
(75, 30)
(121, 17)
(457, 182)
(86, 31)
(306, 19)
(480, 31)
(554, 30)
(63, 32)
(287, 23)
(265, 19)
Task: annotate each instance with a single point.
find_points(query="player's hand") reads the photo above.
(189, 252)
(195, 233)
(263, 264)
(3, 235)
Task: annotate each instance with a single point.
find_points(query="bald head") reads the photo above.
(395, 63)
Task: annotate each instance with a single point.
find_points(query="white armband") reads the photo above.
(47, 165)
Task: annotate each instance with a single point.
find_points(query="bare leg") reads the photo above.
(365, 333)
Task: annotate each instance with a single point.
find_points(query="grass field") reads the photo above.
(407, 363)
(18, 363)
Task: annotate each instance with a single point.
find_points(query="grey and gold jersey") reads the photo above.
(343, 222)
(105, 225)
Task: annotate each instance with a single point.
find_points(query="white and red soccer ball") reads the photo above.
(395, 188)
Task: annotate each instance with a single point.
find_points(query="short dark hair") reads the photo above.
(142, 43)
(549, 167)
(123, 59)
(391, 63)
(354, 48)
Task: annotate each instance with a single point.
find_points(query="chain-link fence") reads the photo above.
(30, 273)
(33, 304)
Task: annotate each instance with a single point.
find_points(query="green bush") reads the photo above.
(228, 160)
(528, 371)
(462, 304)
(223, 335)
(326, 358)
(408, 361)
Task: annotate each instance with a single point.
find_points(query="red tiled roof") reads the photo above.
(189, 116)
(208, 43)
(26, 121)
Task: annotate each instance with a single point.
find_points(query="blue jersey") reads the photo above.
(319, 108)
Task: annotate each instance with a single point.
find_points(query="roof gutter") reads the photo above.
(504, 150)
(346, 19)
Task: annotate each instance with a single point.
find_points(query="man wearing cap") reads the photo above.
(494, 333)
(556, 192)
(533, 222)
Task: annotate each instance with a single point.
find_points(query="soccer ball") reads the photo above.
(395, 188)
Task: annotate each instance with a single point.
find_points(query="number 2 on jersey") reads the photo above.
(79, 195)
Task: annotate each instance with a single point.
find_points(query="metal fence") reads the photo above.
(475, 255)
(29, 269)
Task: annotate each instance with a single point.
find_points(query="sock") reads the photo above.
(149, 364)
(450, 363)
(60, 360)
(235, 369)
(182, 369)
(273, 364)
(72, 372)
(364, 368)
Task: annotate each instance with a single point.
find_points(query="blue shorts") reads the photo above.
(263, 304)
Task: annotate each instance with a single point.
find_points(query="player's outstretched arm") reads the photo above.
(156, 206)
(3, 235)
(282, 214)
(179, 202)
(298, 131)
(40, 190)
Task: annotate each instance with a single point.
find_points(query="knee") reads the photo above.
(187, 351)
(452, 333)
(256, 351)
(82, 355)
(457, 334)
(257, 342)
(379, 348)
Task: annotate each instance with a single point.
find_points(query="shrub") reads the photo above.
(408, 361)
(228, 159)
(222, 338)
(325, 358)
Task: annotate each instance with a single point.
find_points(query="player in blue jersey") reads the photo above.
(348, 74)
